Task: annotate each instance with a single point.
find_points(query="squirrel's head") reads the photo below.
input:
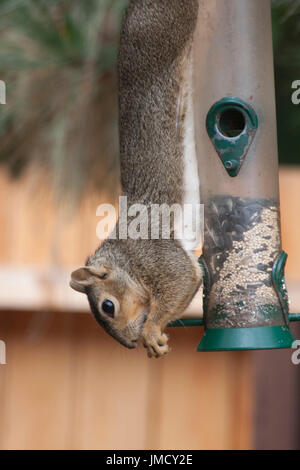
(118, 303)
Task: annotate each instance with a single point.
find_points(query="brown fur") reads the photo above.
(150, 281)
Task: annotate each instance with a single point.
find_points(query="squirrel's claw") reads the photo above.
(155, 342)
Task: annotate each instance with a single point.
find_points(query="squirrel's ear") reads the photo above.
(81, 278)
(85, 276)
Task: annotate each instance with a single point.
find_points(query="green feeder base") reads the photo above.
(232, 339)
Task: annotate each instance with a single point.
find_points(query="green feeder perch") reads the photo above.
(245, 302)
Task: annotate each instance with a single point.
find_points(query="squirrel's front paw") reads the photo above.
(155, 341)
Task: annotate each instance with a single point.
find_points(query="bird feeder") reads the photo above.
(245, 303)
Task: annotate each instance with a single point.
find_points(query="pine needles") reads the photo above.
(58, 60)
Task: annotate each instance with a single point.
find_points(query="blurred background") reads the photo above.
(66, 383)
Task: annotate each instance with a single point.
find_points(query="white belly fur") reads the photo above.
(191, 234)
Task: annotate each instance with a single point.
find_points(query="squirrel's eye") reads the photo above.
(108, 307)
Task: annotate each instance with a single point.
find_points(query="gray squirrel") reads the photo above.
(135, 287)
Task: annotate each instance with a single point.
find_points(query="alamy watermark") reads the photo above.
(2, 92)
(296, 354)
(2, 343)
(296, 93)
(2, 352)
(153, 221)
